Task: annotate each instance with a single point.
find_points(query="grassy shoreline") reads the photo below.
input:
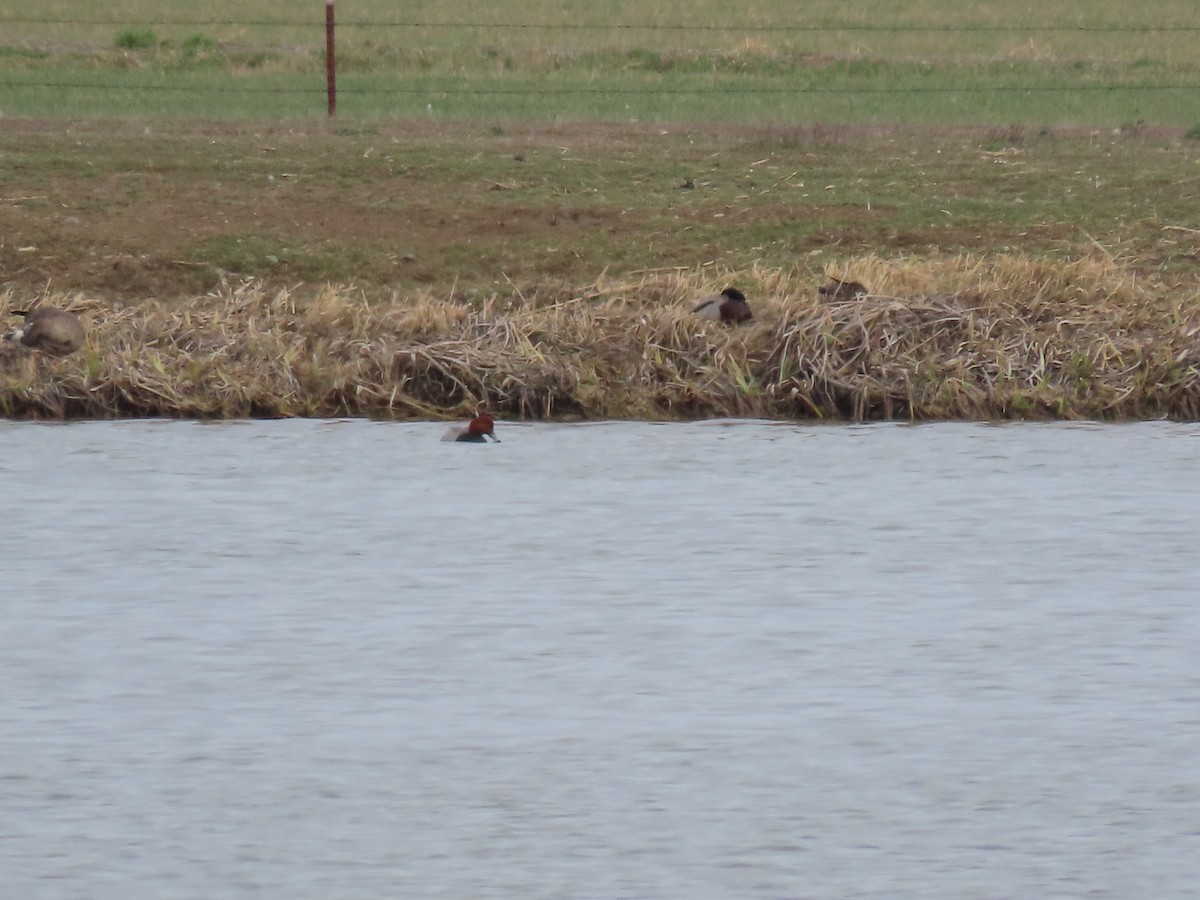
(414, 271)
(1007, 337)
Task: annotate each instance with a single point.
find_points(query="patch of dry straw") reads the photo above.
(960, 338)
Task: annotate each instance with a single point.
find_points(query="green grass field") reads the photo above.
(1095, 63)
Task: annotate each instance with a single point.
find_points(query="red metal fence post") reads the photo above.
(330, 68)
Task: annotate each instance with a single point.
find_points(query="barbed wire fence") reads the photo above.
(331, 27)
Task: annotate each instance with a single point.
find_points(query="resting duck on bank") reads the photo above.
(477, 431)
(843, 290)
(55, 332)
(728, 306)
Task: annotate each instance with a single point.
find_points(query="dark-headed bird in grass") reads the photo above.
(728, 306)
(54, 332)
(477, 431)
(842, 290)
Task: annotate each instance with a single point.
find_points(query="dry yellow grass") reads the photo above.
(959, 338)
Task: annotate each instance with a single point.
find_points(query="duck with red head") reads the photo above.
(728, 306)
(477, 431)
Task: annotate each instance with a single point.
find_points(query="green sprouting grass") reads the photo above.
(136, 39)
(892, 92)
(999, 27)
(1099, 62)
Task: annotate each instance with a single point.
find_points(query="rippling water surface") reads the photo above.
(342, 659)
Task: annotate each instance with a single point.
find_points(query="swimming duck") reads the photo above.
(843, 290)
(52, 331)
(728, 306)
(476, 431)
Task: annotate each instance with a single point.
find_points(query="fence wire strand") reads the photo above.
(613, 26)
(508, 92)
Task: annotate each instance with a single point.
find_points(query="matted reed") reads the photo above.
(966, 337)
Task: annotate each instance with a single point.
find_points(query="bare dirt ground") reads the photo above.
(162, 214)
(131, 209)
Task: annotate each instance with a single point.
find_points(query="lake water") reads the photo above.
(312, 659)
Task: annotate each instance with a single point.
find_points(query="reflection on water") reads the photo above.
(318, 659)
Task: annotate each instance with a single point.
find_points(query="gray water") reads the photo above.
(732, 660)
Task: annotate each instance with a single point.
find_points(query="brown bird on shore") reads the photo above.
(54, 332)
(728, 306)
(843, 290)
